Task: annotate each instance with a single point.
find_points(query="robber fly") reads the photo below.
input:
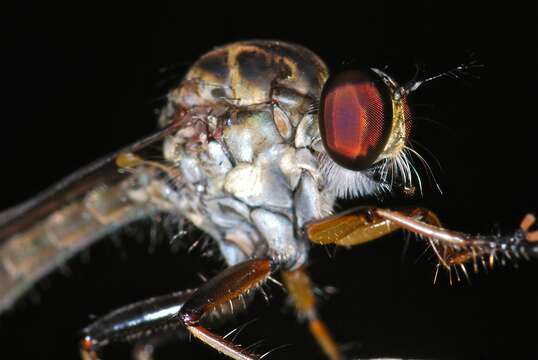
(256, 145)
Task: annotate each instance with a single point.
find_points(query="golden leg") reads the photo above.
(300, 291)
(451, 247)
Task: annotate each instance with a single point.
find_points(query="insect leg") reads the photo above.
(451, 247)
(141, 322)
(457, 248)
(349, 228)
(230, 284)
(300, 290)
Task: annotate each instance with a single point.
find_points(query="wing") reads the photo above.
(42, 233)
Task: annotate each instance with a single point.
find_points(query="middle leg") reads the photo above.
(300, 290)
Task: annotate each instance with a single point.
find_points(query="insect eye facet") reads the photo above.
(355, 118)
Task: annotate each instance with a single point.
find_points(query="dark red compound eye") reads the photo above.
(355, 117)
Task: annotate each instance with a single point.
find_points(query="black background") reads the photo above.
(80, 81)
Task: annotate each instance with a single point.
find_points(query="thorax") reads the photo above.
(247, 148)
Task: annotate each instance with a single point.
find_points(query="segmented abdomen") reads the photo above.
(41, 234)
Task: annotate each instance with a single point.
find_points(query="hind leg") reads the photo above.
(161, 316)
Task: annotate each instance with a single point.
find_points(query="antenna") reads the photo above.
(455, 73)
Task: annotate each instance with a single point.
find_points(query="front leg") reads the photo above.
(451, 247)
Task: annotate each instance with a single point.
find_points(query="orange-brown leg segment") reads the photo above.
(361, 225)
(300, 290)
(367, 224)
(350, 228)
(230, 284)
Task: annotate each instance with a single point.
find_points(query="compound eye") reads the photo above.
(355, 118)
